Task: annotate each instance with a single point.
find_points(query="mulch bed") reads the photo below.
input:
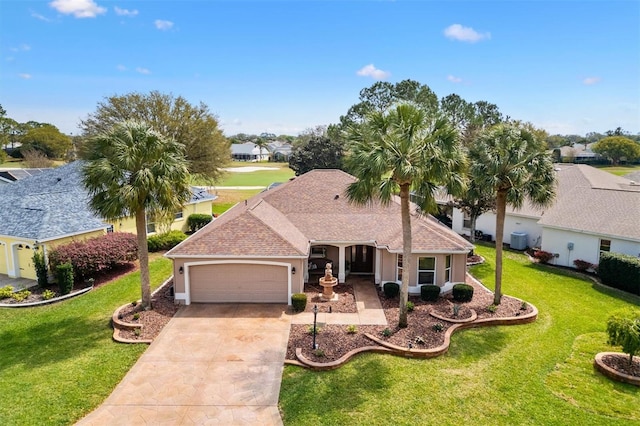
(620, 363)
(346, 302)
(153, 320)
(423, 332)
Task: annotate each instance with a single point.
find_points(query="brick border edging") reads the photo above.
(118, 324)
(611, 373)
(389, 348)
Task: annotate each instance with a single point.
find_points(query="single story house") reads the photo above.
(248, 151)
(279, 151)
(594, 211)
(51, 208)
(266, 248)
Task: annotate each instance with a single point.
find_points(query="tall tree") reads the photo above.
(206, 148)
(512, 163)
(616, 148)
(262, 143)
(47, 139)
(317, 152)
(134, 171)
(399, 151)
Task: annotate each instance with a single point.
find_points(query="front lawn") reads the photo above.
(540, 373)
(621, 170)
(58, 362)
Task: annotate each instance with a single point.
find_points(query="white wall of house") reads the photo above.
(512, 223)
(585, 246)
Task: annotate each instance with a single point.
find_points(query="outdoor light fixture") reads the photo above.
(181, 270)
(293, 270)
(315, 315)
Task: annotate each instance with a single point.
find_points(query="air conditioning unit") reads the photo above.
(519, 240)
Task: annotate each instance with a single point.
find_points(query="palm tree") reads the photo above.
(510, 161)
(401, 151)
(132, 171)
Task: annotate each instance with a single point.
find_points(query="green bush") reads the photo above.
(64, 274)
(166, 241)
(410, 306)
(620, 271)
(462, 292)
(21, 295)
(198, 220)
(391, 289)
(299, 301)
(41, 268)
(429, 293)
(48, 294)
(6, 291)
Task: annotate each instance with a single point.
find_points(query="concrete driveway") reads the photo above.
(212, 364)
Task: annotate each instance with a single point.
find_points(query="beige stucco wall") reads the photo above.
(128, 224)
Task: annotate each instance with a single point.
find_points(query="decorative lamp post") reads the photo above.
(315, 316)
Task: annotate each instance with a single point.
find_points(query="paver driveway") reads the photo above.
(212, 364)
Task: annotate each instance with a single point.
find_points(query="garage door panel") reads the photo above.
(244, 283)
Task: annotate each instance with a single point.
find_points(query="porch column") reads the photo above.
(341, 274)
(305, 266)
(378, 264)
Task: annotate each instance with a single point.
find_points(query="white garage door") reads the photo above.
(238, 283)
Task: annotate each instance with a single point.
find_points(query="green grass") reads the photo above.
(58, 362)
(257, 178)
(534, 374)
(621, 170)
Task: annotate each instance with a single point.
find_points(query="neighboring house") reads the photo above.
(51, 208)
(579, 153)
(265, 249)
(594, 211)
(248, 151)
(280, 151)
(12, 175)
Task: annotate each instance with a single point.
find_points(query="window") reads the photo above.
(151, 226)
(110, 229)
(179, 214)
(605, 246)
(466, 220)
(447, 269)
(399, 268)
(426, 270)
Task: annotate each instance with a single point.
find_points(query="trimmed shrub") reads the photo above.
(429, 293)
(166, 241)
(299, 301)
(6, 291)
(64, 274)
(543, 256)
(462, 292)
(21, 295)
(582, 265)
(99, 254)
(410, 306)
(197, 221)
(620, 271)
(41, 268)
(391, 289)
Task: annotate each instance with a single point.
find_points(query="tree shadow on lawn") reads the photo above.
(471, 345)
(321, 397)
(49, 342)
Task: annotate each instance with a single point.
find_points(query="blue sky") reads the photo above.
(282, 67)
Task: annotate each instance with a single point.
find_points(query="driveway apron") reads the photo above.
(212, 364)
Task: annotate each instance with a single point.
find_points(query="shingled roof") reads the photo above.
(594, 201)
(312, 208)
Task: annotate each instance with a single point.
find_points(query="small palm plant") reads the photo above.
(623, 328)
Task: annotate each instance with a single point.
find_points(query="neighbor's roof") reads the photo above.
(55, 203)
(594, 201)
(47, 205)
(312, 208)
(13, 175)
(247, 148)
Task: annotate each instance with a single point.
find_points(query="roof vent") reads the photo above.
(336, 197)
(633, 183)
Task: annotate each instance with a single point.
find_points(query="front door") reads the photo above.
(362, 259)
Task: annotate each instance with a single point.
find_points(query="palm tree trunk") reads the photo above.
(143, 255)
(501, 207)
(406, 254)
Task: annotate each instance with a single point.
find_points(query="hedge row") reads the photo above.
(95, 255)
(166, 241)
(198, 220)
(620, 271)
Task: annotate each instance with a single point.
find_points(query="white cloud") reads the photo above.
(460, 33)
(22, 48)
(590, 81)
(163, 25)
(454, 79)
(125, 12)
(40, 17)
(143, 70)
(121, 68)
(78, 8)
(373, 72)
(25, 76)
